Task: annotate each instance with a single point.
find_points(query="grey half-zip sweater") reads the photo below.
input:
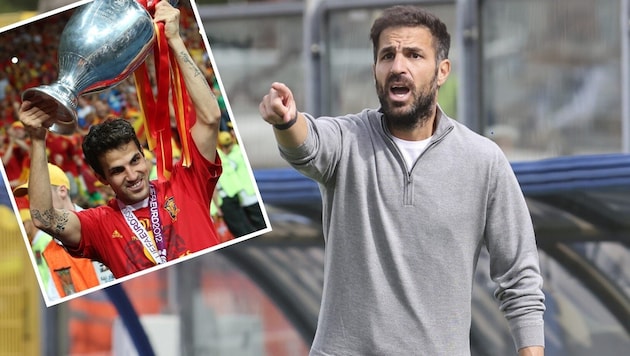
(402, 244)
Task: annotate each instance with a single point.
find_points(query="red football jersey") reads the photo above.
(184, 209)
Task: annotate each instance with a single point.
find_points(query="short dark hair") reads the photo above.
(104, 137)
(412, 16)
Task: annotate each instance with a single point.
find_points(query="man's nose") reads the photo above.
(398, 64)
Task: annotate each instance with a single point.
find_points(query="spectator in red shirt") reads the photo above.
(14, 153)
(62, 152)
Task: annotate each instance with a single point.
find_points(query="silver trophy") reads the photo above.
(102, 44)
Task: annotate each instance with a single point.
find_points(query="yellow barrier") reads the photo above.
(19, 295)
(13, 17)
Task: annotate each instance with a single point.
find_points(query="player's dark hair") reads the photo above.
(104, 137)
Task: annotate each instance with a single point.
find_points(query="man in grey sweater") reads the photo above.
(410, 197)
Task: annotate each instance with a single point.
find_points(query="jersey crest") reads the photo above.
(171, 207)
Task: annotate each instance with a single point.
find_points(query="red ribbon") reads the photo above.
(157, 110)
(148, 4)
(184, 111)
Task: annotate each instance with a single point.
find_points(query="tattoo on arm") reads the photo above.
(189, 61)
(62, 222)
(52, 222)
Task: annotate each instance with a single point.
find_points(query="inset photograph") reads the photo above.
(118, 143)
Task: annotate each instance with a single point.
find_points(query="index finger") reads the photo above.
(281, 88)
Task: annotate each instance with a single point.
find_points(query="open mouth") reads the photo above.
(399, 90)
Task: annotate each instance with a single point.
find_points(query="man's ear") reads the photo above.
(444, 69)
(374, 72)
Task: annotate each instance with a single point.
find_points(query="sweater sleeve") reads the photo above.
(317, 157)
(514, 265)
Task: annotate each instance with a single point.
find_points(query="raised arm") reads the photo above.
(279, 109)
(60, 223)
(206, 128)
(8, 150)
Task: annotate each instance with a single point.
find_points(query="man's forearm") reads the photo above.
(208, 115)
(198, 87)
(295, 135)
(40, 198)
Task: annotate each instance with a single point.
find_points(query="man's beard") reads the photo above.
(420, 110)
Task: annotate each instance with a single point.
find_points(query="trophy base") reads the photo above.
(64, 121)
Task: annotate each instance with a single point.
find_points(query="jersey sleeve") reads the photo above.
(89, 219)
(201, 176)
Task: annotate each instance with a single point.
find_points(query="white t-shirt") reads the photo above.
(411, 150)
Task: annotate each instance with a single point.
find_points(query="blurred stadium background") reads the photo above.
(548, 80)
